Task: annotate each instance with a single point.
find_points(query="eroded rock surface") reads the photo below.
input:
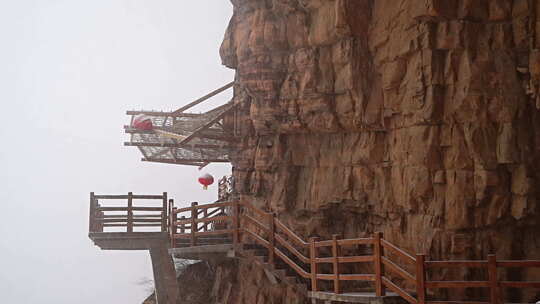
(416, 118)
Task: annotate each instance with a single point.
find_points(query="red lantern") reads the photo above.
(206, 180)
(142, 122)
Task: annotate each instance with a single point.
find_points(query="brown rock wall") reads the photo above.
(415, 118)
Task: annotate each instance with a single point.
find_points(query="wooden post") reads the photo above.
(377, 253)
(493, 281)
(130, 212)
(236, 224)
(335, 262)
(205, 215)
(93, 211)
(271, 237)
(172, 224)
(183, 226)
(421, 278)
(164, 213)
(313, 262)
(194, 213)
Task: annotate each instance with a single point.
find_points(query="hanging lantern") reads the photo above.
(206, 180)
(142, 122)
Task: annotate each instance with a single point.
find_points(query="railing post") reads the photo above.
(421, 278)
(493, 281)
(377, 253)
(335, 262)
(130, 212)
(172, 224)
(313, 263)
(182, 226)
(205, 215)
(164, 213)
(93, 212)
(194, 214)
(271, 237)
(236, 224)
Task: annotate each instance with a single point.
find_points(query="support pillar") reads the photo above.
(166, 287)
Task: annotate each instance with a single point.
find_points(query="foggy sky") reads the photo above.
(69, 69)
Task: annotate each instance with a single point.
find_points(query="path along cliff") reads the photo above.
(419, 119)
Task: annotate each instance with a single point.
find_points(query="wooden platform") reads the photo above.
(205, 252)
(356, 297)
(128, 241)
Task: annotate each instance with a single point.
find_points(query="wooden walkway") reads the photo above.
(326, 270)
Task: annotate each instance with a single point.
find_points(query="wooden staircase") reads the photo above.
(324, 270)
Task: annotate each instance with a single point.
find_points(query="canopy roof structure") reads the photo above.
(182, 138)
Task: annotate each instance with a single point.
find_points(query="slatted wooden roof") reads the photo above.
(184, 138)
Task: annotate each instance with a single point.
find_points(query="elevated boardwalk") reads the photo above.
(324, 270)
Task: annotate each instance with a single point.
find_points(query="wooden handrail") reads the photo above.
(100, 216)
(271, 233)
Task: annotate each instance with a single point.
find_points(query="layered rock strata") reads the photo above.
(418, 118)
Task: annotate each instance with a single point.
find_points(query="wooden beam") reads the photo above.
(205, 97)
(207, 125)
(163, 114)
(191, 160)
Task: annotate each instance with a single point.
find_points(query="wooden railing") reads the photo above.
(392, 268)
(493, 283)
(192, 223)
(225, 188)
(107, 212)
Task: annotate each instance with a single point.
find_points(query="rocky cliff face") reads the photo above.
(416, 118)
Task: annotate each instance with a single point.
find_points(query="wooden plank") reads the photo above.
(516, 284)
(516, 264)
(250, 219)
(176, 145)
(236, 223)
(204, 220)
(125, 208)
(135, 216)
(158, 114)
(493, 282)
(92, 214)
(200, 100)
(193, 229)
(327, 243)
(293, 265)
(293, 250)
(377, 264)
(206, 126)
(402, 293)
(397, 270)
(420, 278)
(206, 206)
(184, 161)
(457, 284)
(325, 276)
(134, 196)
(256, 237)
(215, 232)
(271, 238)
(125, 219)
(451, 264)
(164, 214)
(255, 210)
(347, 259)
(456, 302)
(357, 277)
(130, 213)
(291, 235)
(397, 251)
(313, 263)
(359, 241)
(335, 262)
